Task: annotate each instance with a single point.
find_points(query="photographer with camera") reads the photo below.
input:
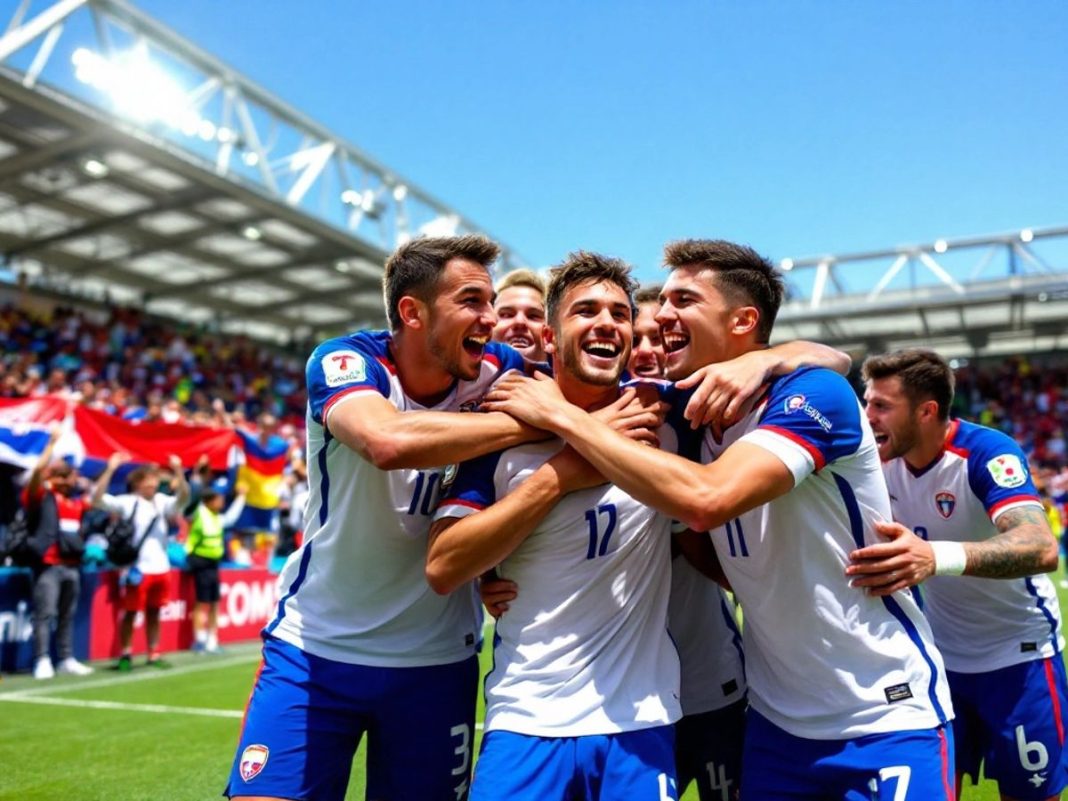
(145, 583)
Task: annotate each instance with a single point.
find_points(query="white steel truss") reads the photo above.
(121, 61)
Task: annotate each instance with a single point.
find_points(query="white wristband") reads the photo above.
(950, 559)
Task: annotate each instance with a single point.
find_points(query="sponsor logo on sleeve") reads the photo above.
(1007, 471)
(799, 403)
(945, 502)
(253, 760)
(344, 367)
(899, 692)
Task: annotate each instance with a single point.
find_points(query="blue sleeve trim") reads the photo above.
(343, 365)
(817, 409)
(474, 484)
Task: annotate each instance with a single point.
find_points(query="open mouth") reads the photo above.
(881, 439)
(520, 341)
(602, 348)
(675, 341)
(647, 369)
(475, 345)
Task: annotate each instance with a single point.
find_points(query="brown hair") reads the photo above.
(522, 277)
(742, 275)
(582, 267)
(416, 266)
(648, 294)
(139, 474)
(924, 376)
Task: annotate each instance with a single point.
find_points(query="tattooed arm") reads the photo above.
(1023, 546)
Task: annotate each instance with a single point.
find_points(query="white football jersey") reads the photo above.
(584, 648)
(824, 660)
(356, 590)
(980, 624)
(152, 559)
(701, 619)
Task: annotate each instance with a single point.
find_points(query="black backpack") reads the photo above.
(30, 534)
(122, 551)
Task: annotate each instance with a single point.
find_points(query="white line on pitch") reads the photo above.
(125, 678)
(159, 709)
(156, 708)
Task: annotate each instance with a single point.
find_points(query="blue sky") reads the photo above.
(798, 127)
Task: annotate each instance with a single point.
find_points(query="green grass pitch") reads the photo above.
(151, 735)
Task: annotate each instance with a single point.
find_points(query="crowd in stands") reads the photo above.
(142, 369)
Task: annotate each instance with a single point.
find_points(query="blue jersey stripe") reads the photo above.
(856, 522)
(324, 481)
(732, 624)
(856, 525)
(1041, 603)
(302, 574)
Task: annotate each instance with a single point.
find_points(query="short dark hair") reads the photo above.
(582, 267)
(924, 376)
(416, 266)
(742, 275)
(648, 294)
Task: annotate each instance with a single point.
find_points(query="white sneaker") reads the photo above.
(73, 667)
(43, 669)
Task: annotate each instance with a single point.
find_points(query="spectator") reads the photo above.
(206, 549)
(145, 584)
(57, 580)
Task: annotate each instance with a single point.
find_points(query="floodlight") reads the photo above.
(400, 191)
(252, 232)
(1026, 235)
(95, 168)
(941, 246)
(251, 158)
(786, 265)
(351, 197)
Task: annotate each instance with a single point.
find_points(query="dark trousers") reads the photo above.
(55, 594)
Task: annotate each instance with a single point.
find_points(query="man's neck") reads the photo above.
(931, 443)
(420, 374)
(588, 397)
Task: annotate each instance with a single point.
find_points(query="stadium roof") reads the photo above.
(988, 295)
(136, 168)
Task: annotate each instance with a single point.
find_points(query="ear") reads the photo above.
(413, 312)
(744, 320)
(928, 411)
(548, 339)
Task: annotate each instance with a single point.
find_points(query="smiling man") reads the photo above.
(585, 684)
(848, 693)
(360, 643)
(968, 512)
(520, 308)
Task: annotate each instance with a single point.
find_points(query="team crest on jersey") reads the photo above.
(945, 502)
(1007, 471)
(253, 759)
(793, 403)
(470, 406)
(343, 366)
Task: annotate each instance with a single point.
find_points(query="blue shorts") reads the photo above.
(898, 766)
(1013, 721)
(306, 716)
(635, 765)
(708, 750)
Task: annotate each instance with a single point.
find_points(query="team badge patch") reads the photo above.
(448, 475)
(945, 502)
(793, 403)
(253, 759)
(1007, 471)
(343, 366)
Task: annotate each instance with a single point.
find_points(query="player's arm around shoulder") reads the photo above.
(473, 532)
(1023, 546)
(348, 394)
